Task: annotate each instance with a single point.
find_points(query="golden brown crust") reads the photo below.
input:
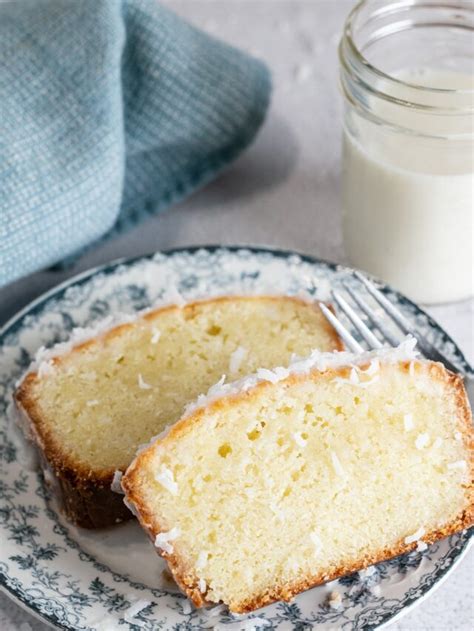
(187, 580)
(85, 494)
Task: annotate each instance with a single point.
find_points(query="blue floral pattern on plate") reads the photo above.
(55, 569)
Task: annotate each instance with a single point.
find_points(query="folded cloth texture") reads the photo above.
(110, 111)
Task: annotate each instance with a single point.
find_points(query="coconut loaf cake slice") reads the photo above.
(294, 477)
(90, 405)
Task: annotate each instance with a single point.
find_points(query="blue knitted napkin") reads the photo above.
(109, 110)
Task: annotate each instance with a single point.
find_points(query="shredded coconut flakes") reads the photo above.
(237, 358)
(335, 600)
(142, 384)
(163, 538)
(408, 422)
(135, 609)
(202, 585)
(459, 464)
(166, 479)
(299, 440)
(421, 546)
(316, 539)
(202, 559)
(116, 485)
(422, 440)
(187, 608)
(416, 536)
(336, 463)
(155, 335)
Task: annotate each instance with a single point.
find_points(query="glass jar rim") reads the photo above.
(348, 38)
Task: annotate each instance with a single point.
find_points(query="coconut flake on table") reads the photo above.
(163, 538)
(116, 485)
(421, 546)
(187, 607)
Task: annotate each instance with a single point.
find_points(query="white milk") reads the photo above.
(408, 199)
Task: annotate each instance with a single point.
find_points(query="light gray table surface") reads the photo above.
(284, 191)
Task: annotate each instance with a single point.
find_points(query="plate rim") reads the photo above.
(109, 268)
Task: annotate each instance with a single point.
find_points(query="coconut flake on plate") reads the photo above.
(133, 610)
(334, 600)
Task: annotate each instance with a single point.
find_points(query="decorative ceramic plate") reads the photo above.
(111, 579)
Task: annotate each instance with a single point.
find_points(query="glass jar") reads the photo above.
(408, 154)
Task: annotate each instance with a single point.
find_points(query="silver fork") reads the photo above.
(381, 324)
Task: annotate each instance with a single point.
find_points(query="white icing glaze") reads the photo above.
(317, 360)
(23, 436)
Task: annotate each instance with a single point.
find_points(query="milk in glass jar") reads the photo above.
(408, 153)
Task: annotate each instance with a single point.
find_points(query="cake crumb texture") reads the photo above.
(273, 515)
